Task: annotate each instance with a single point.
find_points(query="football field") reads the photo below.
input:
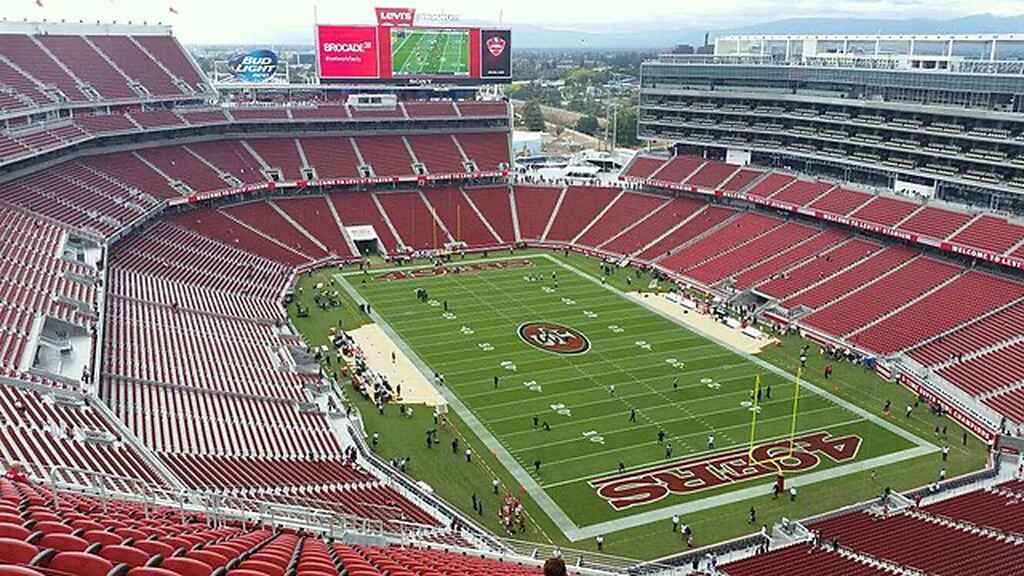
(609, 414)
(429, 52)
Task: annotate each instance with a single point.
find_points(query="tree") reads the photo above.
(587, 125)
(625, 129)
(533, 118)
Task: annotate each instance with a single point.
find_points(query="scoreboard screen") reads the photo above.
(413, 54)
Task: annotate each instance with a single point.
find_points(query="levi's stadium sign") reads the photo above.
(395, 16)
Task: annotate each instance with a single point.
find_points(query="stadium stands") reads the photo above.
(494, 203)
(409, 213)
(229, 156)
(459, 217)
(946, 550)
(733, 235)
(960, 301)
(935, 222)
(751, 253)
(489, 151)
(878, 298)
(315, 216)
(629, 208)
(438, 153)
(534, 206)
(712, 175)
(89, 536)
(693, 226)
(278, 153)
(651, 227)
(862, 272)
(885, 210)
(786, 257)
(357, 209)
(179, 165)
(802, 560)
(332, 157)
(386, 154)
(678, 169)
(642, 167)
(801, 192)
(220, 226)
(263, 217)
(580, 206)
(770, 184)
(741, 179)
(806, 275)
(998, 507)
(841, 201)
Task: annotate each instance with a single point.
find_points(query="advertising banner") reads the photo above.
(348, 52)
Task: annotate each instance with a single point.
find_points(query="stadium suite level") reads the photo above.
(868, 109)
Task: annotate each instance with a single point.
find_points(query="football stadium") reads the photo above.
(337, 328)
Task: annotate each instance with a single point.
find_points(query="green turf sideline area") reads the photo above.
(429, 52)
(676, 381)
(455, 480)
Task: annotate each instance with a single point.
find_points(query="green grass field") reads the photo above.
(665, 378)
(429, 52)
(493, 304)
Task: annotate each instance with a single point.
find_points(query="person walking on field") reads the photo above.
(632, 414)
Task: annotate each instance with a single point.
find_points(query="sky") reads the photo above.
(253, 21)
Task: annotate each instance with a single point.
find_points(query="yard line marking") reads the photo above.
(633, 446)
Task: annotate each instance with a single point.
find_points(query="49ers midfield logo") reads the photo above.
(623, 491)
(552, 337)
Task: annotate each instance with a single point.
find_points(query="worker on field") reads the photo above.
(611, 390)
(632, 414)
(711, 441)
(661, 436)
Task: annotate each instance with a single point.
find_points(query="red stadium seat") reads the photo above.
(81, 564)
(16, 552)
(133, 557)
(10, 518)
(262, 567)
(187, 566)
(15, 531)
(63, 543)
(212, 559)
(155, 547)
(102, 537)
(50, 527)
(18, 571)
(150, 571)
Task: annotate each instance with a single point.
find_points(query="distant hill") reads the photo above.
(663, 35)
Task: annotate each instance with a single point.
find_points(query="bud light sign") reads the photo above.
(256, 66)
